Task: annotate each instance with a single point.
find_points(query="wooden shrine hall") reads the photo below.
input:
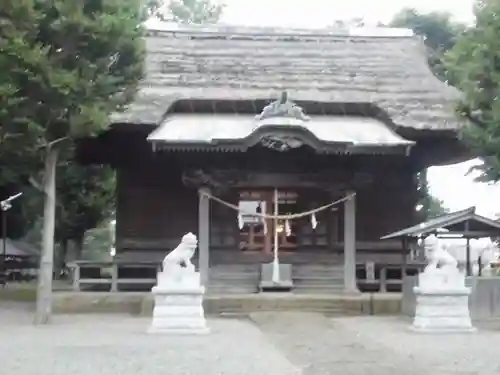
(301, 145)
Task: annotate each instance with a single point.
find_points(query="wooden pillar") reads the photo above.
(350, 284)
(383, 279)
(114, 277)
(76, 277)
(468, 265)
(404, 265)
(204, 235)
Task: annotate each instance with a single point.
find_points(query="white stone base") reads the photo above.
(442, 311)
(178, 310)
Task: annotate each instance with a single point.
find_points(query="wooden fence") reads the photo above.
(121, 275)
(18, 268)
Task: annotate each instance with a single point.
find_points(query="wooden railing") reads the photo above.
(371, 276)
(113, 274)
(382, 278)
(17, 268)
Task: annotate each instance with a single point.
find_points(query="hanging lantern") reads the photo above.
(314, 222)
(241, 223)
(288, 229)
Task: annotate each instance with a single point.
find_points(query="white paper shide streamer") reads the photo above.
(264, 218)
(288, 229)
(314, 222)
(241, 223)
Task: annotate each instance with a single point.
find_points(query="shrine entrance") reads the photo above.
(257, 233)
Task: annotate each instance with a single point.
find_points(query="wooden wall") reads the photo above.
(380, 212)
(154, 210)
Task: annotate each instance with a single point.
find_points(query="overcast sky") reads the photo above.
(320, 13)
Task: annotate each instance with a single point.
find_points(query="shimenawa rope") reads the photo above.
(278, 217)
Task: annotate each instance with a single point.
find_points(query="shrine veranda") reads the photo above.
(276, 123)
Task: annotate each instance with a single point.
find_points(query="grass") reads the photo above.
(26, 291)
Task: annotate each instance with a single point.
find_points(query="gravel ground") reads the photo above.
(458, 354)
(267, 343)
(111, 345)
(321, 346)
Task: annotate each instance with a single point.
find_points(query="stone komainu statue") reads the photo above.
(180, 257)
(437, 254)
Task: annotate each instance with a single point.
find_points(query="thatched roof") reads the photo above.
(219, 63)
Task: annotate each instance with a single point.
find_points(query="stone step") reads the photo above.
(234, 276)
(318, 267)
(234, 270)
(133, 303)
(317, 283)
(328, 303)
(324, 274)
(318, 290)
(231, 289)
(320, 277)
(329, 311)
(326, 284)
(235, 257)
(233, 281)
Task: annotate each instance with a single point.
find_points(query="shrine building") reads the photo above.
(235, 126)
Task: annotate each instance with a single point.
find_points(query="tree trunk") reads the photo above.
(44, 290)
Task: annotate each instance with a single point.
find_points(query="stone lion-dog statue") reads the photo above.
(179, 259)
(438, 256)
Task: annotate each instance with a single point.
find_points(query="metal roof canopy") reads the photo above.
(466, 223)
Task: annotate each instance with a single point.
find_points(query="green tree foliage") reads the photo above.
(86, 197)
(65, 66)
(436, 207)
(195, 11)
(438, 30)
(98, 242)
(474, 64)
(429, 206)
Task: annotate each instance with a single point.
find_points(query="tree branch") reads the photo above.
(54, 142)
(37, 185)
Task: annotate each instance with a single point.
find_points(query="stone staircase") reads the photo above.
(324, 278)
(335, 304)
(317, 278)
(233, 279)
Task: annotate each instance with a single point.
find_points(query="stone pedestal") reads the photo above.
(178, 304)
(442, 302)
